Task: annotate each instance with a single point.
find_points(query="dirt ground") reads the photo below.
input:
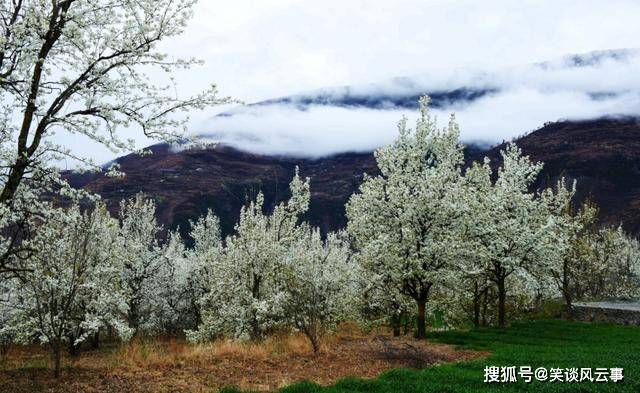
(174, 366)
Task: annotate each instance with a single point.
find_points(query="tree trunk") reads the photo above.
(422, 325)
(25, 153)
(313, 334)
(407, 322)
(315, 340)
(95, 342)
(568, 303)
(133, 318)
(502, 300)
(73, 348)
(485, 305)
(256, 332)
(4, 351)
(55, 356)
(315, 345)
(13, 180)
(566, 292)
(476, 305)
(395, 324)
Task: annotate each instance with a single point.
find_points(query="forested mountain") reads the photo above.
(602, 155)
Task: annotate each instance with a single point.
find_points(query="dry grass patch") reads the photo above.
(171, 365)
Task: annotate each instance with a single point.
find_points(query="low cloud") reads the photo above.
(522, 99)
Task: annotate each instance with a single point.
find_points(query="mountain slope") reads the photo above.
(185, 184)
(602, 155)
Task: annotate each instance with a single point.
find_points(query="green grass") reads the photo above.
(549, 343)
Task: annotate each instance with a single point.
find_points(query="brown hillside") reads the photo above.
(602, 155)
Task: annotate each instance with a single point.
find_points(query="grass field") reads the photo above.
(537, 344)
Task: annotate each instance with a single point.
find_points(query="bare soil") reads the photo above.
(174, 366)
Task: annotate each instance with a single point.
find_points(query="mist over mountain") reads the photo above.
(491, 106)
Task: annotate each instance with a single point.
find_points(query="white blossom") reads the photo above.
(406, 222)
(245, 299)
(510, 230)
(82, 68)
(319, 280)
(68, 288)
(140, 258)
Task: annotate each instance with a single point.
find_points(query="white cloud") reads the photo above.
(324, 130)
(527, 97)
(258, 50)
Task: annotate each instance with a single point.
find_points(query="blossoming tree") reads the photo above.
(511, 234)
(245, 299)
(86, 68)
(69, 287)
(140, 258)
(319, 280)
(405, 222)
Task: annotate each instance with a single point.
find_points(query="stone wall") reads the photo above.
(621, 316)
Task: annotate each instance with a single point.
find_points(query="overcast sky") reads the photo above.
(256, 50)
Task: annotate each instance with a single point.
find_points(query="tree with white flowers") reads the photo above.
(511, 234)
(613, 269)
(472, 290)
(141, 260)
(9, 317)
(24, 212)
(319, 280)
(89, 69)
(626, 278)
(591, 262)
(406, 222)
(69, 287)
(81, 67)
(177, 306)
(381, 303)
(245, 299)
(168, 307)
(572, 262)
(206, 252)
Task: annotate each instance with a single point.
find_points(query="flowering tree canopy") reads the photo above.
(511, 232)
(406, 221)
(81, 67)
(319, 281)
(245, 299)
(69, 287)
